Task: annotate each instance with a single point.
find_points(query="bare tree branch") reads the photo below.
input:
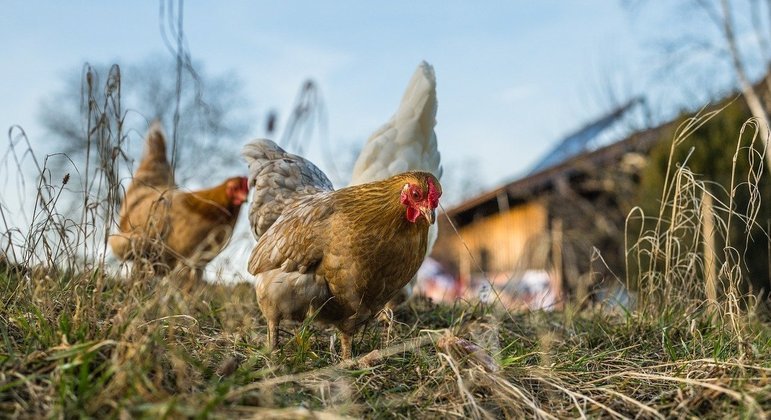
(752, 98)
(757, 27)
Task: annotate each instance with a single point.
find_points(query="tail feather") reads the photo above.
(408, 141)
(420, 95)
(154, 168)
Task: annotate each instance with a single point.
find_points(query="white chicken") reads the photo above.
(405, 143)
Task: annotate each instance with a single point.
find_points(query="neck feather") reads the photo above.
(212, 202)
(377, 205)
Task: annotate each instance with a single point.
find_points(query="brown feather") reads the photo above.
(167, 227)
(382, 248)
(154, 168)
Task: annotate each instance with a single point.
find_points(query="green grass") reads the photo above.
(87, 345)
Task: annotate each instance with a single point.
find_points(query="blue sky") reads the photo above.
(513, 77)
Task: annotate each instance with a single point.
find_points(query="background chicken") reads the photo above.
(166, 227)
(340, 254)
(405, 143)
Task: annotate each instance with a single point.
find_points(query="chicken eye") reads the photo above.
(415, 194)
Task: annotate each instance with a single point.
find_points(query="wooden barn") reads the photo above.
(562, 222)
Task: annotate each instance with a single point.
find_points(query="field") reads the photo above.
(90, 345)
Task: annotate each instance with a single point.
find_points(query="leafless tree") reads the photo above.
(731, 35)
(214, 114)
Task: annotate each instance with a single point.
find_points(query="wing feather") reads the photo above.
(296, 242)
(278, 179)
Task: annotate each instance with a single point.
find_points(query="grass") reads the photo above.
(87, 345)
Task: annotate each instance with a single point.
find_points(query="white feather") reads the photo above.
(409, 136)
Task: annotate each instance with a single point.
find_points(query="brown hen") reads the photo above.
(164, 227)
(340, 255)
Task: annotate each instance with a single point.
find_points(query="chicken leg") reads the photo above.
(345, 345)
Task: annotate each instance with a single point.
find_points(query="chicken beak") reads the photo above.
(429, 214)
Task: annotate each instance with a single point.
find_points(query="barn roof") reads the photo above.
(601, 132)
(541, 180)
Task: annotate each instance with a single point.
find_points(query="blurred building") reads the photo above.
(559, 228)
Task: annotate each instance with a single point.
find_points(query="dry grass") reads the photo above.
(80, 341)
(94, 346)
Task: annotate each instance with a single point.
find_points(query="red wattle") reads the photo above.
(412, 214)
